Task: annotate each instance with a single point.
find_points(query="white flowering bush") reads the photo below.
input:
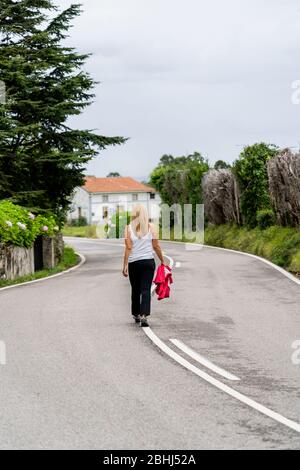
(20, 227)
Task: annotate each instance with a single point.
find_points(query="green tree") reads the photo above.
(178, 179)
(221, 165)
(251, 172)
(113, 174)
(42, 159)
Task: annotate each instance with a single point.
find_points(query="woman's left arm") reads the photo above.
(128, 247)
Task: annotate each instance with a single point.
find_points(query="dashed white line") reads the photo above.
(205, 362)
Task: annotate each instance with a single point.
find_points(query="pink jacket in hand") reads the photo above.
(163, 279)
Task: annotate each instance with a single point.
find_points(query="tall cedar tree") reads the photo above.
(42, 159)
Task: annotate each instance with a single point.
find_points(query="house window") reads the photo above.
(152, 195)
(104, 212)
(105, 198)
(134, 197)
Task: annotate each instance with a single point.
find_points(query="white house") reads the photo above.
(99, 198)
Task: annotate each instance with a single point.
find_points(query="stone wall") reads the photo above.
(48, 253)
(58, 247)
(17, 261)
(2, 262)
(52, 250)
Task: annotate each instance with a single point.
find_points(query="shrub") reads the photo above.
(178, 179)
(284, 185)
(220, 197)
(80, 222)
(251, 172)
(265, 218)
(20, 227)
(295, 263)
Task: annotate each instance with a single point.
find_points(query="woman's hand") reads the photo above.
(125, 271)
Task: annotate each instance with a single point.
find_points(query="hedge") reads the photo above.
(20, 227)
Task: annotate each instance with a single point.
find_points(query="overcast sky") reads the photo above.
(179, 76)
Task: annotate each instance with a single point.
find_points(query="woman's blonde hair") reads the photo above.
(139, 220)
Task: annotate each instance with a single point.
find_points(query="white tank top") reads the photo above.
(141, 247)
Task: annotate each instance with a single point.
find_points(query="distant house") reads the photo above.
(99, 198)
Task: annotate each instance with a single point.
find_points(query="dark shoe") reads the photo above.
(144, 322)
(137, 319)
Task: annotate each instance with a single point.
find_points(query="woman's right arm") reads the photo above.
(156, 245)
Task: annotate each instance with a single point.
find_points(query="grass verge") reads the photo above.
(280, 245)
(87, 231)
(68, 260)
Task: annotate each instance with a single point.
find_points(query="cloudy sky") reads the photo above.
(179, 76)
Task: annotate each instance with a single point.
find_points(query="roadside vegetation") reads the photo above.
(68, 260)
(114, 228)
(87, 231)
(281, 245)
(20, 227)
(43, 158)
(252, 205)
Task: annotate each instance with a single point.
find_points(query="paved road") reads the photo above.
(80, 374)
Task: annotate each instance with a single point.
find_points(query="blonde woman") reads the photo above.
(141, 242)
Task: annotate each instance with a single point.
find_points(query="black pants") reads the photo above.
(141, 274)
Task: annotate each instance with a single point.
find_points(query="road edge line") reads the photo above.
(220, 385)
(46, 278)
(283, 271)
(251, 255)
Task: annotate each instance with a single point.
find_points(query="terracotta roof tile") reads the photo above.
(115, 185)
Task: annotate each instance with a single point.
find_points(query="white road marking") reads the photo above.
(216, 383)
(263, 260)
(177, 264)
(259, 258)
(205, 362)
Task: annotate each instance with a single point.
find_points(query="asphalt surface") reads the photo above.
(81, 375)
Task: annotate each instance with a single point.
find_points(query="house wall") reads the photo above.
(81, 199)
(93, 206)
(125, 201)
